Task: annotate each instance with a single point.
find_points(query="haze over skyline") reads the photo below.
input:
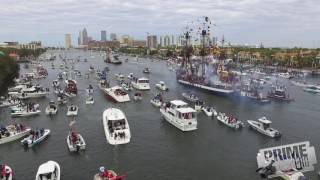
(284, 23)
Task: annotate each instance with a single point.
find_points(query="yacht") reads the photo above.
(9, 102)
(24, 111)
(140, 83)
(180, 115)
(116, 126)
(49, 171)
(263, 126)
(13, 133)
(31, 92)
(279, 93)
(117, 94)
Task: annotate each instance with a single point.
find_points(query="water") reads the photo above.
(157, 149)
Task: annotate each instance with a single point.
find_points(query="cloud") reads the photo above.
(274, 22)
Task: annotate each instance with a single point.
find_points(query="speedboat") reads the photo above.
(35, 137)
(312, 89)
(75, 142)
(91, 69)
(71, 88)
(105, 174)
(89, 99)
(230, 121)
(198, 105)
(62, 99)
(52, 108)
(279, 93)
(9, 102)
(146, 71)
(263, 126)
(116, 126)
(161, 85)
(190, 97)
(209, 111)
(178, 113)
(89, 89)
(13, 132)
(117, 94)
(55, 83)
(140, 83)
(126, 86)
(119, 77)
(137, 96)
(285, 75)
(28, 110)
(49, 171)
(130, 76)
(156, 101)
(6, 172)
(72, 110)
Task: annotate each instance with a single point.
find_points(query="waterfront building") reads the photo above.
(103, 35)
(67, 41)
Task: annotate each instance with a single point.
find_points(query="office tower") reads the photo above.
(103, 36)
(67, 41)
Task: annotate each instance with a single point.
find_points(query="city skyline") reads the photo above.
(284, 23)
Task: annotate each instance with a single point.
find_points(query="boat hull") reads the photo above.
(20, 135)
(172, 120)
(208, 88)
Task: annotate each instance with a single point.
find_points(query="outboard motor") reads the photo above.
(266, 171)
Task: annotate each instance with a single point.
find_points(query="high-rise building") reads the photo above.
(167, 41)
(85, 39)
(103, 35)
(113, 36)
(172, 40)
(152, 42)
(161, 42)
(67, 41)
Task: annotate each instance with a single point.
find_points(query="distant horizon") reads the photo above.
(275, 23)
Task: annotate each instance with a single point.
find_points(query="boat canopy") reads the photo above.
(264, 120)
(46, 168)
(186, 110)
(113, 114)
(178, 103)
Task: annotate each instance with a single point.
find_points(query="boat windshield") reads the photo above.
(117, 124)
(187, 116)
(144, 81)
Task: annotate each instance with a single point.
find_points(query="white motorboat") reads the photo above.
(209, 111)
(9, 102)
(29, 110)
(146, 71)
(156, 102)
(178, 113)
(119, 77)
(89, 89)
(13, 132)
(230, 121)
(75, 142)
(140, 83)
(312, 89)
(130, 76)
(55, 83)
(116, 126)
(18, 88)
(190, 97)
(49, 171)
(263, 126)
(62, 99)
(35, 137)
(52, 108)
(6, 172)
(137, 96)
(161, 85)
(32, 92)
(72, 110)
(117, 94)
(89, 100)
(198, 105)
(91, 69)
(285, 75)
(300, 84)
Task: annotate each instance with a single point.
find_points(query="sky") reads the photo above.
(280, 23)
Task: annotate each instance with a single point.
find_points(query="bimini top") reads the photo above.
(113, 114)
(46, 168)
(143, 78)
(264, 120)
(178, 103)
(186, 110)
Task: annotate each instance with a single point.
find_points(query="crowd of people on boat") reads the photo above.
(232, 120)
(36, 134)
(74, 138)
(5, 172)
(17, 128)
(32, 107)
(105, 174)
